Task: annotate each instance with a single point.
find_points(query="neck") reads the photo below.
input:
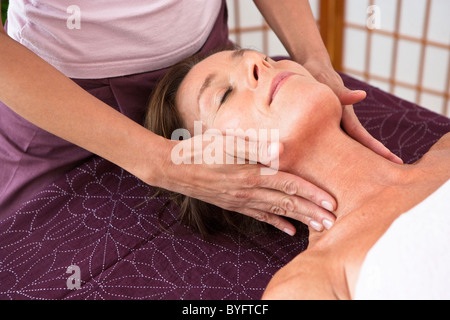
(343, 167)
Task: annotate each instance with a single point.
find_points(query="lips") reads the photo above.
(279, 80)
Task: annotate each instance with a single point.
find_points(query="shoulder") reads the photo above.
(444, 142)
(436, 162)
(304, 278)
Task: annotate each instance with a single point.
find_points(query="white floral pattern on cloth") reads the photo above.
(127, 244)
(405, 128)
(106, 222)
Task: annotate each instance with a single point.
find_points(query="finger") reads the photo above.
(307, 212)
(350, 97)
(354, 128)
(317, 226)
(345, 95)
(290, 184)
(295, 208)
(276, 221)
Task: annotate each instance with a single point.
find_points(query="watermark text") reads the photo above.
(208, 147)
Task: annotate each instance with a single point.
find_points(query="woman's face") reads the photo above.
(245, 90)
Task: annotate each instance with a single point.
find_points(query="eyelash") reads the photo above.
(230, 89)
(225, 95)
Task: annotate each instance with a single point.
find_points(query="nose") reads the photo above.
(254, 68)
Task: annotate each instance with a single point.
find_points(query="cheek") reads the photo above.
(293, 66)
(239, 112)
(306, 109)
(226, 122)
(244, 123)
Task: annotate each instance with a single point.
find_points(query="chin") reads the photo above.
(313, 105)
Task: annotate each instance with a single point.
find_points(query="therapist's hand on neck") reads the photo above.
(324, 73)
(270, 198)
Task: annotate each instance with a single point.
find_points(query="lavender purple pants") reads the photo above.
(31, 158)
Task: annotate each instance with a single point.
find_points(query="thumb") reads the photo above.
(349, 97)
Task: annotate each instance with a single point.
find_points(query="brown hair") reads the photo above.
(163, 118)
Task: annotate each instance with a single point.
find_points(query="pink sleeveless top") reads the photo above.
(32, 158)
(100, 39)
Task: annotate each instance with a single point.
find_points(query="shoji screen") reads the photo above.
(249, 30)
(402, 46)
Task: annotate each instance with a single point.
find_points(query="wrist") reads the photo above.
(321, 70)
(154, 166)
(317, 59)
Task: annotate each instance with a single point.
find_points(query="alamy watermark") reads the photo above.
(373, 17)
(373, 20)
(74, 280)
(74, 20)
(197, 152)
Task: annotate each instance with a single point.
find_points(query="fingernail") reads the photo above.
(316, 226)
(289, 232)
(327, 224)
(396, 158)
(327, 206)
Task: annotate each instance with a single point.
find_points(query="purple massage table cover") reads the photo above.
(129, 246)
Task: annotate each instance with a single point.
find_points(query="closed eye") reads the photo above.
(225, 95)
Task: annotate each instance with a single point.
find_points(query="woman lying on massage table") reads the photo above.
(246, 90)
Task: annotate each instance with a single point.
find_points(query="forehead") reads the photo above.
(187, 95)
(212, 63)
(200, 72)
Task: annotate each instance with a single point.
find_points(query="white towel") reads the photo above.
(412, 259)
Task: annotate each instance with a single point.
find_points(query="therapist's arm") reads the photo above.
(295, 26)
(44, 96)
